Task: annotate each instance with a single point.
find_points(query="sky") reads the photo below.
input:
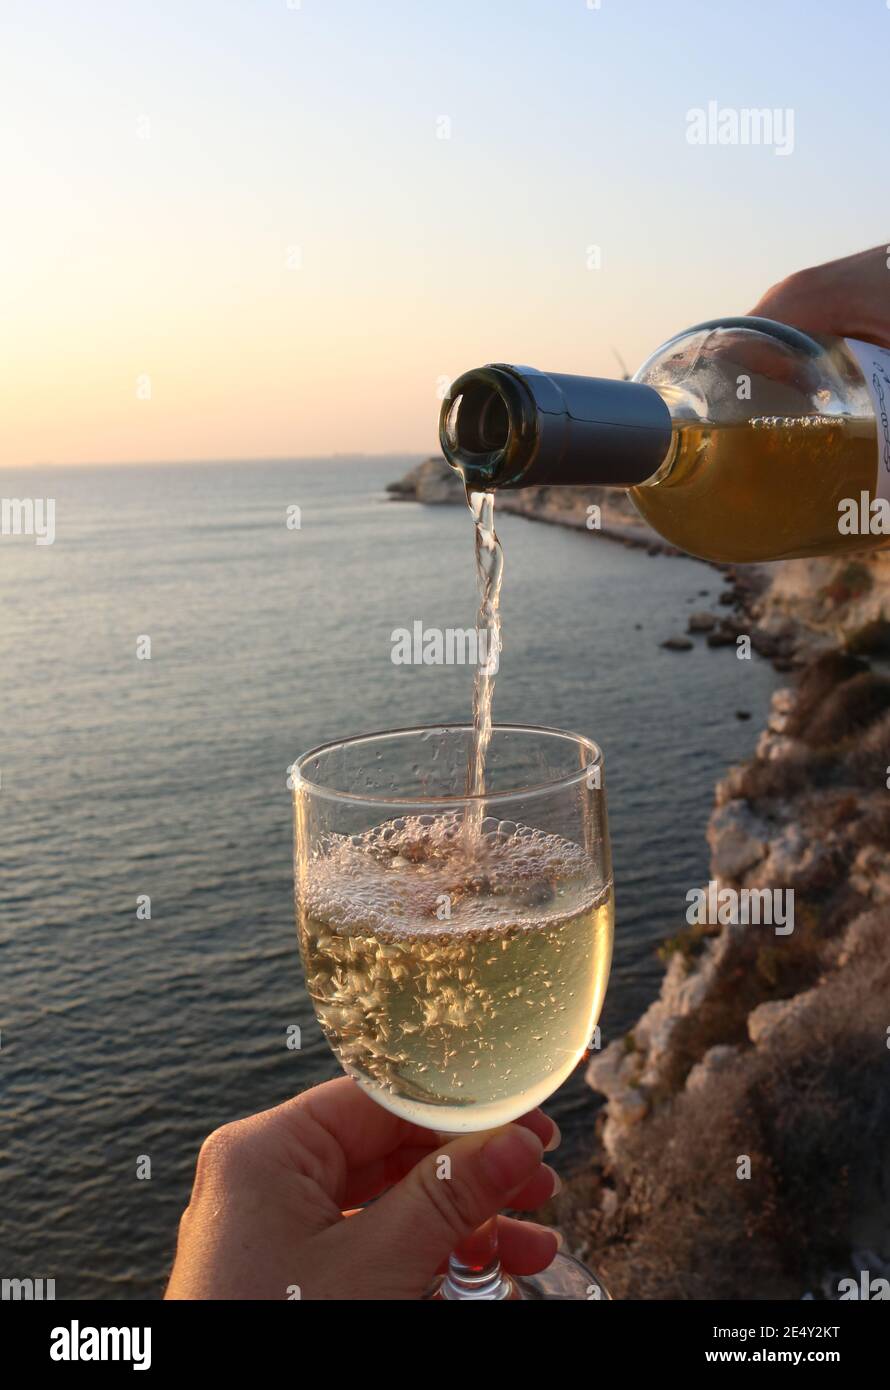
(278, 228)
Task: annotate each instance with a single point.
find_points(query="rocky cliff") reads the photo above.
(744, 1148)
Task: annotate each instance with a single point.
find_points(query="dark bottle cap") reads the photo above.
(509, 427)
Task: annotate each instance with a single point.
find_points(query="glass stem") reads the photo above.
(474, 1270)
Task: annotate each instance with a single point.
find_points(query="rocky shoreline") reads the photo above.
(743, 1149)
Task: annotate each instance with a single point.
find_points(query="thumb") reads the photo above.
(406, 1235)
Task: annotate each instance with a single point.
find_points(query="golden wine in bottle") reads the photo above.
(738, 440)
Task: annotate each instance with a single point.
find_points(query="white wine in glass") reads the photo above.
(457, 949)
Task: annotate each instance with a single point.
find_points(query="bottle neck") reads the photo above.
(512, 427)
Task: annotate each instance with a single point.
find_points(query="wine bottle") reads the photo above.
(738, 440)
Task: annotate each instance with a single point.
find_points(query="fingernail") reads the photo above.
(557, 1180)
(555, 1139)
(510, 1157)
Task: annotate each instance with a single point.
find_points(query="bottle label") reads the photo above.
(874, 363)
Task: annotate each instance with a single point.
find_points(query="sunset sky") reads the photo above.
(232, 228)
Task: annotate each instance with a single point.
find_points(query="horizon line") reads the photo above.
(339, 455)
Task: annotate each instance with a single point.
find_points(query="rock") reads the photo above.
(613, 1070)
(781, 707)
(402, 487)
(731, 787)
(625, 1076)
(775, 742)
(625, 1110)
(778, 625)
(677, 644)
(859, 938)
(870, 874)
(609, 1202)
(614, 1074)
(872, 639)
(792, 858)
(632, 1107)
(773, 748)
(767, 1018)
(701, 622)
(715, 1060)
(766, 644)
(725, 635)
(681, 994)
(434, 481)
(438, 483)
(738, 839)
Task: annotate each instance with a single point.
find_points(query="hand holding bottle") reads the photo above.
(743, 439)
(848, 298)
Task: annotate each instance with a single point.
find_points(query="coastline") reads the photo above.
(741, 1148)
(434, 483)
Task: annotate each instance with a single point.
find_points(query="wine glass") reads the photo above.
(457, 948)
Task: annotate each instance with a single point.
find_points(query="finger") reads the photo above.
(379, 1148)
(547, 1130)
(437, 1205)
(368, 1182)
(543, 1185)
(524, 1247)
(373, 1178)
(362, 1129)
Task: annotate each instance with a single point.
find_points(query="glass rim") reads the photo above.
(318, 789)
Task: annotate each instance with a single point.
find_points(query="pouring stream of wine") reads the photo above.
(489, 571)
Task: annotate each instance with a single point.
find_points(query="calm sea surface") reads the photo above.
(121, 777)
